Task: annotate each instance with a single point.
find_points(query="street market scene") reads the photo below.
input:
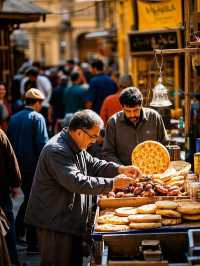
(99, 132)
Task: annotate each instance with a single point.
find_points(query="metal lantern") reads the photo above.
(160, 96)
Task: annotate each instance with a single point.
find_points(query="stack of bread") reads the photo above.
(168, 212)
(190, 210)
(146, 218)
(149, 216)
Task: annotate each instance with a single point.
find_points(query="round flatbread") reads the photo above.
(107, 211)
(168, 213)
(144, 218)
(147, 209)
(168, 221)
(192, 217)
(111, 228)
(166, 204)
(125, 211)
(151, 157)
(142, 226)
(189, 208)
(112, 219)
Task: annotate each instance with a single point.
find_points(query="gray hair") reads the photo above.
(85, 119)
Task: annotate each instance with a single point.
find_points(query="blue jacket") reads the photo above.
(101, 86)
(28, 134)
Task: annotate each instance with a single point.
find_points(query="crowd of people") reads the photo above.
(61, 143)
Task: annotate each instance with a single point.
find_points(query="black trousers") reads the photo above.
(21, 227)
(59, 249)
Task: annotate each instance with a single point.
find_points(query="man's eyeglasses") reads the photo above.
(92, 137)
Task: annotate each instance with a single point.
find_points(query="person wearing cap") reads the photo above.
(131, 126)
(28, 134)
(111, 104)
(34, 79)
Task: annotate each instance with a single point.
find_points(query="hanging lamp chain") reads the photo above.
(159, 63)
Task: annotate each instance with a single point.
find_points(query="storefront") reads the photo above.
(145, 64)
(155, 25)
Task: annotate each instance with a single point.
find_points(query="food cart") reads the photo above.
(125, 247)
(162, 239)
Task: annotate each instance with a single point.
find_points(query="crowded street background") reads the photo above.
(82, 84)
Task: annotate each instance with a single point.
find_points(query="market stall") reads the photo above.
(148, 222)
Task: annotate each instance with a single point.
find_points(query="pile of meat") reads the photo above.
(147, 188)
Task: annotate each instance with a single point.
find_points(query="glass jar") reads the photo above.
(191, 178)
(195, 191)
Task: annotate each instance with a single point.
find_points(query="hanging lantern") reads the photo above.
(160, 95)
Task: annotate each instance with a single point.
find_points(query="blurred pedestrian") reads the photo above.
(28, 134)
(10, 180)
(56, 108)
(34, 79)
(75, 95)
(101, 85)
(5, 108)
(111, 104)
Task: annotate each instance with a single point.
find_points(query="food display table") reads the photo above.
(125, 246)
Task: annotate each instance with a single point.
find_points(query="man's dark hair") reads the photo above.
(30, 101)
(74, 76)
(70, 62)
(85, 119)
(2, 83)
(131, 97)
(98, 64)
(33, 71)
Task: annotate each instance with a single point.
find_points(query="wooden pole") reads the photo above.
(187, 69)
(1, 4)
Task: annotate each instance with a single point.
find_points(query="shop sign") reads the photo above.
(148, 41)
(159, 14)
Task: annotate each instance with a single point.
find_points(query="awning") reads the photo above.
(112, 32)
(19, 11)
(97, 34)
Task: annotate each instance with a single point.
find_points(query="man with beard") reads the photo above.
(131, 126)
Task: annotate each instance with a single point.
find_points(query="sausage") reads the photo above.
(111, 194)
(151, 192)
(119, 194)
(174, 192)
(148, 187)
(138, 190)
(162, 190)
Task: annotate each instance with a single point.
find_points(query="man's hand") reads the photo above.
(121, 181)
(130, 171)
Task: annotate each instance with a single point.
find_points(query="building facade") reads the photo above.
(66, 32)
